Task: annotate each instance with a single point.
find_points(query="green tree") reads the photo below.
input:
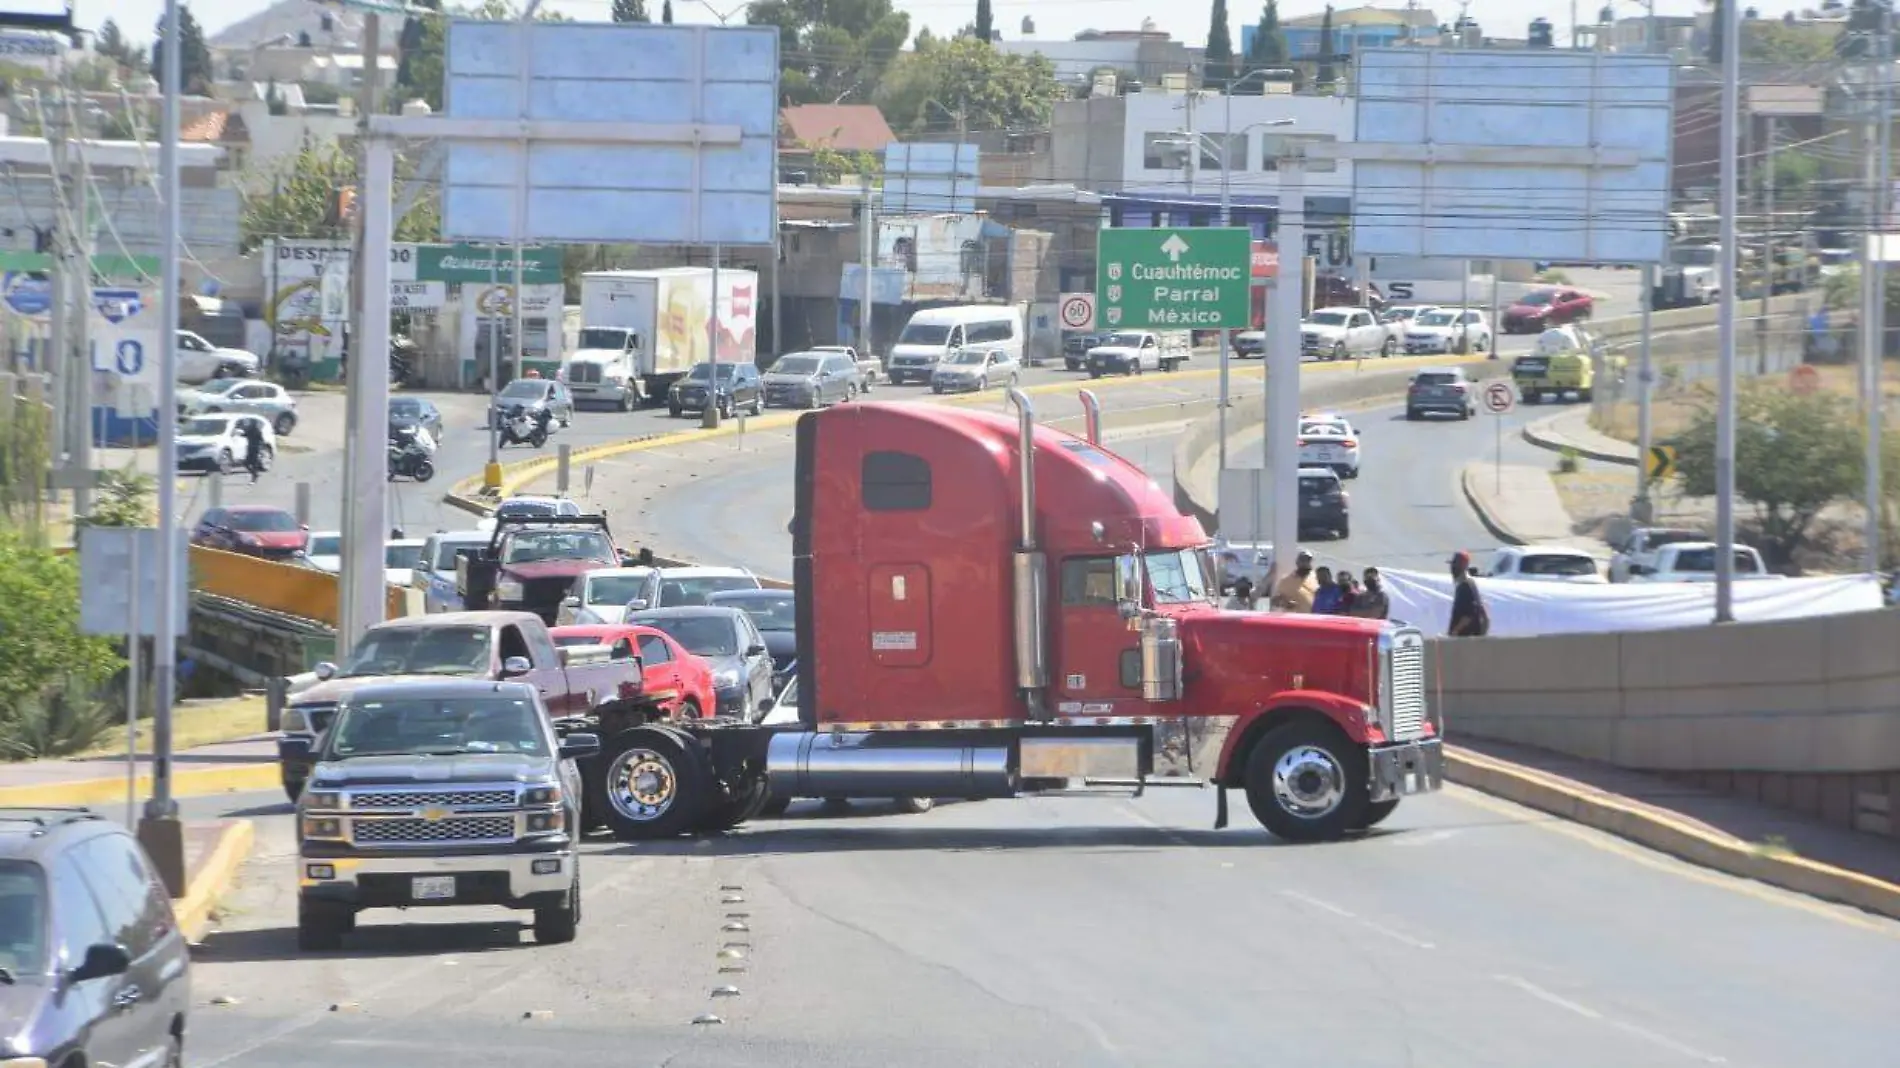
(40, 635)
(994, 90)
(828, 50)
(1794, 456)
(985, 21)
(111, 41)
(1268, 48)
(419, 57)
(1858, 36)
(297, 198)
(1770, 41)
(631, 11)
(194, 71)
(666, 12)
(1327, 78)
(122, 499)
(1220, 49)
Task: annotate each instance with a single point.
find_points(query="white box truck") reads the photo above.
(641, 330)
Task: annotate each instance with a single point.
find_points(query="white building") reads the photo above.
(1136, 151)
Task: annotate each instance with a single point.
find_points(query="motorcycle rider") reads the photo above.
(403, 434)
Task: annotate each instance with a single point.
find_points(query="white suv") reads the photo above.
(1328, 440)
(1448, 330)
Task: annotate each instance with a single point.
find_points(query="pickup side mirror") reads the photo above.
(755, 650)
(638, 604)
(324, 671)
(767, 705)
(103, 959)
(575, 746)
(515, 667)
(570, 602)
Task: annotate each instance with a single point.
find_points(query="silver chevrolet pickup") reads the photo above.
(440, 792)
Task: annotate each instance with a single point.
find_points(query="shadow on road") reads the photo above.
(370, 941)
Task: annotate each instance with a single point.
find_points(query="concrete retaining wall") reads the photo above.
(1804, 713)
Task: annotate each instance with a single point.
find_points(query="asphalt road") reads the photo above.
(1073, 932)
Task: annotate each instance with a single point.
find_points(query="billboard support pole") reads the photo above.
(1282, 458)
(1725, 352)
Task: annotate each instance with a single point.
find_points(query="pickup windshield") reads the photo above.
(421, 651)
(1121, 341)
(701, 635)
(681, 592)
(1330, 319)
(435, 727)
(600, 337)
(615, 589)
(532, 545)
(325, 545)
(1558, 566)
(1703, 560)
(23, 936)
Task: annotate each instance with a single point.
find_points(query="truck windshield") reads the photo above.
(23, 939)
(530, 546)
(924, 334)
(1179, 576)
(600, 337)
(1694, 256)
(475, 724)
(421, 651)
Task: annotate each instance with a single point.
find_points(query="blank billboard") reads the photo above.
(1465, 198)
(638, 74)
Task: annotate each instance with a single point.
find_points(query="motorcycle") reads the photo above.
(518, 427)
(404, 354)
(410, 461)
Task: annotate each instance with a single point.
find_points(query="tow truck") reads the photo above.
(532, 561)
(991, 608)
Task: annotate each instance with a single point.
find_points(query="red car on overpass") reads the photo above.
(1545, 307)
(665, 665)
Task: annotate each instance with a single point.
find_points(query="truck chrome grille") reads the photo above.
(403, 830)
(583, 372)
(425, 798)
(1406, 698)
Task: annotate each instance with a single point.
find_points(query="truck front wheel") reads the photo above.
(654, 787)
(1307, 782)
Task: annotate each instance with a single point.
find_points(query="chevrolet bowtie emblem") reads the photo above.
(434, 815)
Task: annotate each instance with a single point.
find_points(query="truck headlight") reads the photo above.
(541, 795)
(726, 678)
(322, 827)
(547, 822)
(322, 800)
(509, 590)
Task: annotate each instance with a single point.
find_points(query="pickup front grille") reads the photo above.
(437, 798)
(1406, 703)
(403, 830)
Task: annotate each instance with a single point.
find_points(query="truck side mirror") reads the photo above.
(575, 746)
(515, 667)
(293, 749)
(1128, 586)
(324, 671)
(570, 602)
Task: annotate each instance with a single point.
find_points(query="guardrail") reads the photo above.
(286, 589)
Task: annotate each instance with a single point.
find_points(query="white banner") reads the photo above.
(1522, 608)
(417, 296)
(126, 334)
(295, 261)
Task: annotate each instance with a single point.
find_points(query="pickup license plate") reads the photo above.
(432, 887)
(1312, 502)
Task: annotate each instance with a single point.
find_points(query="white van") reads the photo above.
(934, 334)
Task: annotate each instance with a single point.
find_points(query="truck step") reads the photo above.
(1172, 781)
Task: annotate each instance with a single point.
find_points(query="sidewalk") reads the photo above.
(246, 764)
(1571, 431)
(1728, 833)
(1519, 505)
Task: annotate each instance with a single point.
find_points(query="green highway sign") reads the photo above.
(1174, 278)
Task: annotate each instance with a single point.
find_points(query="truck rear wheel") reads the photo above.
(653, 784)
(1307, 782)
(745, 804)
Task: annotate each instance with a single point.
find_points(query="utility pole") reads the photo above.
(366, 487)
(1874, 330)
(1640, 509)
(867, 253)
(1768, 266)
(79, 426)
(1725, 373)
(57, 362)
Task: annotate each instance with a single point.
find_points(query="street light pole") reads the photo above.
(1877, 320)
(1725, 376)
(1283, 368)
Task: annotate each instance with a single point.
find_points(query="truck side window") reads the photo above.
(513, 644)
(1089, 580)
(894, 482)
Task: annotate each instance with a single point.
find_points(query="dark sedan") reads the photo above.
(414, 411)
(727, 639)
(739, 386)
(775, 613)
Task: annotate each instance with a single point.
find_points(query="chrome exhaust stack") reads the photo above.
(1091, 416)
(1030, 570)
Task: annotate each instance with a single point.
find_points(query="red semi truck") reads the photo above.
(991, 608)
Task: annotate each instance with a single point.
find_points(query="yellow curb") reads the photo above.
(193, 911)
(192, 783)
(1678, 838)
(466, 493)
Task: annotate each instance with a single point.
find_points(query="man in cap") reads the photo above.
(1468, 616)
(1296, 589)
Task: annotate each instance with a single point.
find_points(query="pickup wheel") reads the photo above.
(555, 924)
(1389, 346)
(915, 806)
(321, 925)
(1307, 782)
(653, 785)
(1339, 351)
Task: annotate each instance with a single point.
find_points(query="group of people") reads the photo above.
(1320, 591)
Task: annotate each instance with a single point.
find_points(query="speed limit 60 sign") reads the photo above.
(1077, 311)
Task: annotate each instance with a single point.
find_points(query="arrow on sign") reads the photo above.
(1661, 461)
(1174, 247)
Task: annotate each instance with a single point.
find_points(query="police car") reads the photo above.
(1327, 439)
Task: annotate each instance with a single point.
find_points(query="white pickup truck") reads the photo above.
(1637, 550)
(1344, 334)
(1694, 561)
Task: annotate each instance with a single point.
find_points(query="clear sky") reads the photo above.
(1055, 19)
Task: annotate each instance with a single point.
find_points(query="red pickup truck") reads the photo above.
(481, 645)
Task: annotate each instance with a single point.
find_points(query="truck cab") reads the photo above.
(531, 562)
(605, 369)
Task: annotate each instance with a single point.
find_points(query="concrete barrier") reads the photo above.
(1802, 714)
